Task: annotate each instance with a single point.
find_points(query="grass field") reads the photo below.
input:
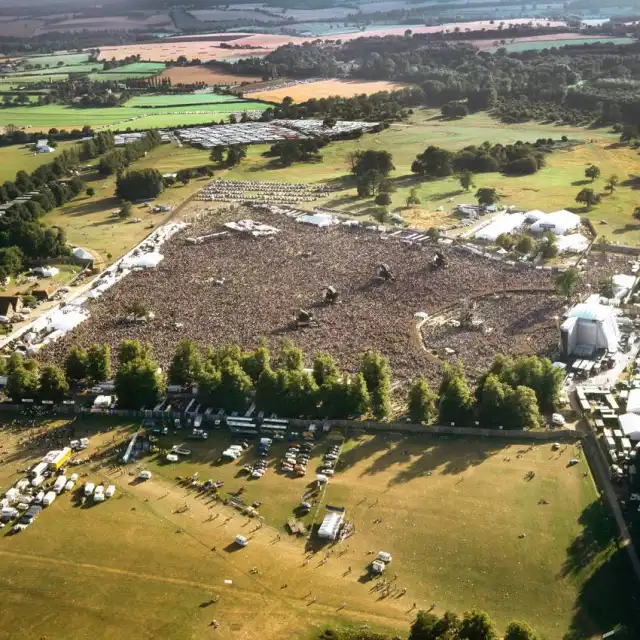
(170, 100)
(18, 157)
(87, 67)
(15, 79)
(326, 89)
(552, 188)
(64, 117)
(53, 60)
(451, 514)
(87, 221)
(137, 67)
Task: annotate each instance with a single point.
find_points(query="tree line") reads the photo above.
(510, 395)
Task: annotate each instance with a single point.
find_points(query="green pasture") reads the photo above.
(554, 187)
(538, 45)
(53, 76)
(180, 100)
(451, 512)
(65, 117)
(87, 67)
(53, 60)
(21, 157)
(137, 67)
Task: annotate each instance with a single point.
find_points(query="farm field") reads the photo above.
(181, 100)
(212, 77)
(63, 117)
(87, 67)
(67, 59)
(326, 89)
(16, 79)
(454, 542)
(136, 67)
(537, 45)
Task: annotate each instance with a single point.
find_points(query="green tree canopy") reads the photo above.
(98, 363)
(186, 366)
(76, 365)
(53, 384)
(422, 402)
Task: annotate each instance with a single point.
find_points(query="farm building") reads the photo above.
(588, 328)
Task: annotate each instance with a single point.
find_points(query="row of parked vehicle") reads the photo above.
(297, 458)
(99, 492)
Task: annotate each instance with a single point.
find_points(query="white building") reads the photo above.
(630, 426)
(588, 328)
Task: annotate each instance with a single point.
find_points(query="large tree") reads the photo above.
(76, 365)
(592, 172)
(138, 383)
(422, 402)
(98, 363)
(53, 384)
(363, 162)
(186, 366)
(139, 184)
(520, 631)
(487, 196)
(567, 282)
(588, 197)
(456, 403)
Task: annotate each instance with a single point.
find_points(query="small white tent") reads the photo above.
(630, 426)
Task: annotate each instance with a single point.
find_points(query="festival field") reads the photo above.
(451, 512)
(327, 89)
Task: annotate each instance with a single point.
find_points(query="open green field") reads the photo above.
(180, 99)
(64, 117)
(451, 513)
(88, 223)
(53, 60)
(148, 68)
(53, 76)
(86, 67)
(550, 189)
(20, 157)
(517, 47)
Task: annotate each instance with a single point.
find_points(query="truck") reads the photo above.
(59, 458)
(48, 498)
(58, 485)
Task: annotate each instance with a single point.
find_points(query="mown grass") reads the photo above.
(64, 117)
(67, 59)
(21, 157)
(450, 511)
(180, 99)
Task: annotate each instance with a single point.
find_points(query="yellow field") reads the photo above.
(450, 512)
(326, 89)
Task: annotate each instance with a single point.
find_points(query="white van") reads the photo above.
(111, 489)
(88, 488)
(49, 498)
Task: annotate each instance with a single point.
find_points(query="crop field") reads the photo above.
(16, 79)
(64, 117)
(181, 100)
(326, 89)
(137, 67)
(450, 512)
(87, 67)
(212, 77)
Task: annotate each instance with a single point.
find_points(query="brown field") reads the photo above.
(113, 23)
(326, 89)
(19, 28)
(212, 77)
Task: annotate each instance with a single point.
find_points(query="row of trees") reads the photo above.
(290, 151)
(119, 158)
(510, 394)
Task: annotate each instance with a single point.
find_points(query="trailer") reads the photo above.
(58, 485)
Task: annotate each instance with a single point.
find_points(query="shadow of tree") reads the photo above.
(609, 598)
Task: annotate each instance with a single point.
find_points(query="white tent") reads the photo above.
(630, 425)
(622, 284)
(82, 254)
(318, 219)
(534, 215)
(503, 223)
(633, 401)
(330, 525)
(559, 222)
(67, 319)
(144, 261)
(573, 243)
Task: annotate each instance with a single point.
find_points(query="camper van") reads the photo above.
(88, 488)
(58, 485)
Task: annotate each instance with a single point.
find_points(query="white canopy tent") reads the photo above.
(503, 223)
(630, 426)
(558, 222)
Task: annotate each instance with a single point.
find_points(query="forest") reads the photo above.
(599, 82)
